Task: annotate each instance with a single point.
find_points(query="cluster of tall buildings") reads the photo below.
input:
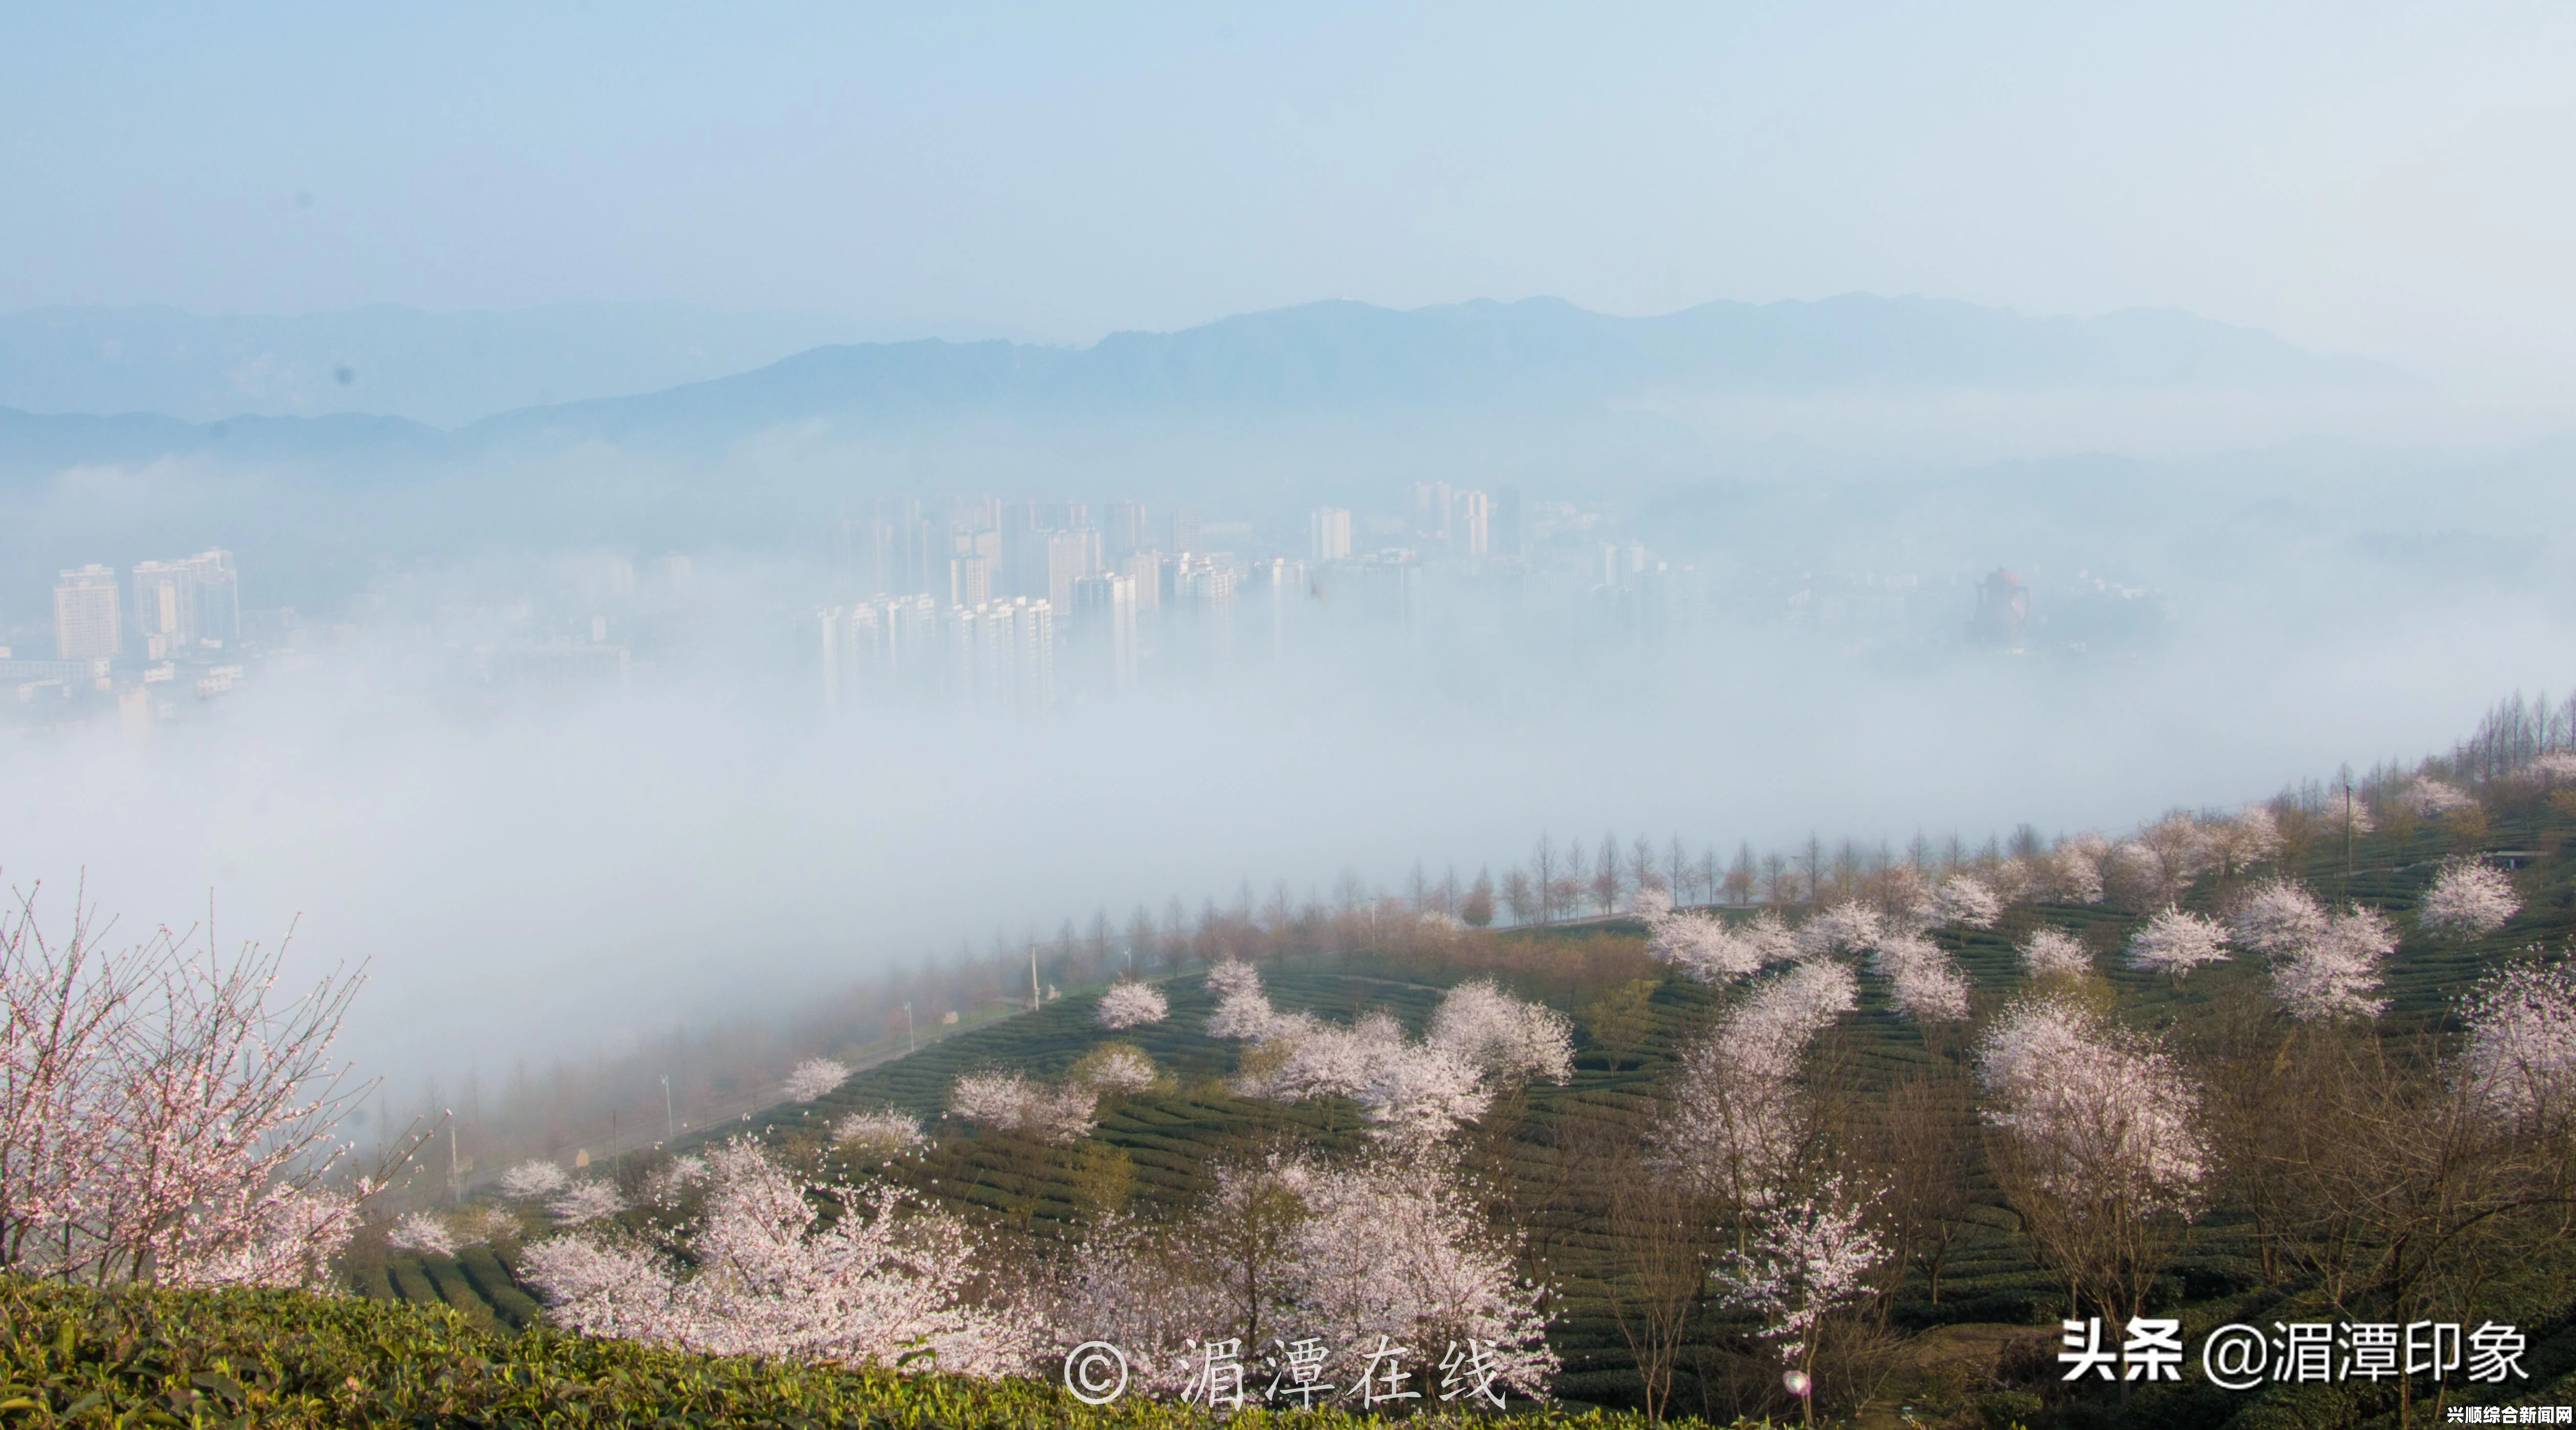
(163, 611)
(996, 601)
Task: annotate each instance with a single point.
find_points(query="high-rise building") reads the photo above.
(1431, 510)
(1104, 615)
(1185, 530)
(893, 553)
(165, 607)
(875, 648)
(1070, 556)
(1328, 533)
(1145, 568)
(1471, 516)
(1122, 530)
(970, 580)
(1004, 651)
(86, 623)
(219, 599)
(1508, 531)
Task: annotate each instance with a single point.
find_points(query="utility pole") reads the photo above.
(1033, 975)
(910, 1044)
(670, 1128)
(455, 1192)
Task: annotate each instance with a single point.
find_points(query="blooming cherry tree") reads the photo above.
(1700, 945)
(2101, 1149)
(1924, 980)
(2468, 898)
(2055, 953)
(1132, 1005)
(421, 1232)
(533, 1179)
(584, 1202)
(884, 1133)
(1116, 1068)
(2277, 917)
(1739, 1114)
(1845, 928)
(2519, 1058)
(763, 1273)
(1008, 1102)
(813, 1078)
(1966, 902)
(2176, 942)
(1508, 1039)
(2333, 974)
(2433, 798)
(1809, 1257)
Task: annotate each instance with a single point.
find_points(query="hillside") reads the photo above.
(1546, 1161)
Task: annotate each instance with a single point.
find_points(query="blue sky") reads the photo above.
(2374, 178)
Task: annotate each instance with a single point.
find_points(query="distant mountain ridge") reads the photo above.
(1540, 352)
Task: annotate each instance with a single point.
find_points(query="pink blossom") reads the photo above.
(1924, 980)
(2075, 869)
(2332, 974)
(2055, 953)
(1845, 928)
(1809, 1256)
(2519, 1058)
(883, 1133)
(1700, 945)
(1132, 1005)
(2278, 916)
(1967, 902)
(1008, 1102)
(2177, 942)
(2100, 1114)
(762, 1273)
(813, 1078)
(1421, 1095)
(2468, 898)
(2432, 798)
(586, 1202)
(424, 1233)
(1738, 1108)
(1506, 1038)
(532, 1179)
(1116, 1068)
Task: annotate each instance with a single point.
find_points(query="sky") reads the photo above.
(2372, 178)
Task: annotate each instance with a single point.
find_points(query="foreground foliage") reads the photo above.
(74, 1356)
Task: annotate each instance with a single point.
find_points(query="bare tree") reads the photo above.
(1923, 1142)
(1659, 1254)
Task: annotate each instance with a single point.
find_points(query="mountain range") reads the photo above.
(1539, 353)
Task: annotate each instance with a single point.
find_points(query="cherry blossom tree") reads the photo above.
(1009, 1102)
(1507, 1039)
(2243, 839)
(164, 1114)
(2278, 916)
(1966, 902)
(2519, 1057)
(1421, 1095)
(419, 1231)
(813, 1078)
(2075, 868)
(2332, 974)
(883, 1134)
(1739, 1117)
(1286, 1247)
(583, 1202)
(2098, 1144)
(762, 1272)
(2469, 898)
(533, 1179)
(1700, 945)
(1808, 1258)
(2055, 953)
(2176, 942)
(2433, 798)
(1132, 1005)
(1412, 1094)
(1845, 928)
(1116, 1069)
(1925, 982)
(2168, 854)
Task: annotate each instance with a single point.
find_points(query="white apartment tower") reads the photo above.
(86, 625)
(1328, 534)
